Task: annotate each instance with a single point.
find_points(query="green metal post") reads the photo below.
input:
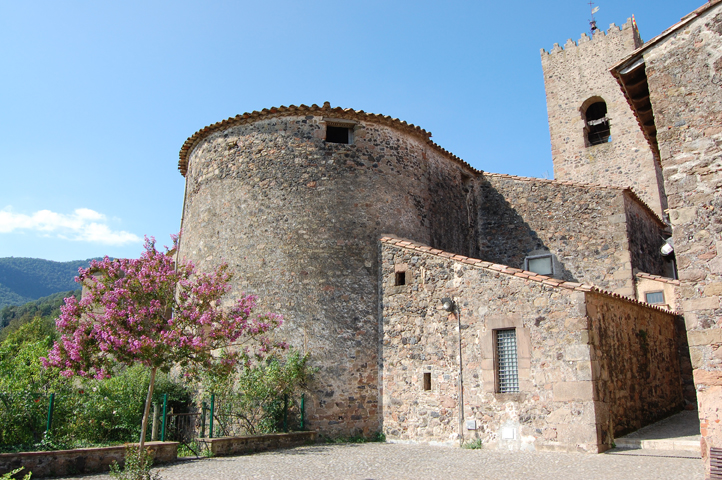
(165, 407)
(303, 413)
(203, 419)
(285, 412)
(51, 404)
(213, 404)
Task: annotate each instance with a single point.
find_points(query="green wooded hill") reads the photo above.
(13, 317)
(26, 279)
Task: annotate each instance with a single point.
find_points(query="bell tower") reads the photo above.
(595, 137)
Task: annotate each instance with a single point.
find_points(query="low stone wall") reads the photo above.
(81, 460)
(258, 443)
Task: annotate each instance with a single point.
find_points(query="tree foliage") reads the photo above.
(252, 396)
(155, 312)
(13, 317)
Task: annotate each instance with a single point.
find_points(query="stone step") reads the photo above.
(658, 444)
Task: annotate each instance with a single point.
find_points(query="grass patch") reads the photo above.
(358, 438)
(473, 445)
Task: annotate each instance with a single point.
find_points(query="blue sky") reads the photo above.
(96, 98)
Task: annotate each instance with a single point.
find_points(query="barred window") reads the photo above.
(506, 361)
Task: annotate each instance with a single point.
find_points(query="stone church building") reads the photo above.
(446, 304)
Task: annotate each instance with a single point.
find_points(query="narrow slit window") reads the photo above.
(597, 130)
(338, 134)
(507, 368)
(654, 297)
(427, 381)
(400, 278)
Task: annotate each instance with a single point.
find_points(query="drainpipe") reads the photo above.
(461, 381)
(453, 307)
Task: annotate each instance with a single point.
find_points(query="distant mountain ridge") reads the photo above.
(26, 279)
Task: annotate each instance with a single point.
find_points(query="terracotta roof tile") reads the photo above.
(657, 278)
(522, 274)
(314, 109)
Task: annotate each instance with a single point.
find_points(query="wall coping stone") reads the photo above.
(257, 443)
(45, 463)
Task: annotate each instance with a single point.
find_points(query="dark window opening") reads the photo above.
(597, 124)
(400, 278)
(507, 372)
(427, 381)
(338, 134)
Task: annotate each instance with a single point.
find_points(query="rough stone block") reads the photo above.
(573, 391)
(704, 337)
(704, 303)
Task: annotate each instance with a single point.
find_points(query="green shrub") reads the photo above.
(137, 465)
(254, 397)
(9, 475)
(473, 445)
(86, 412)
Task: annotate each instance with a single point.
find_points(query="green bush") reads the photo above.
(86, 412)
(253, 397)
(137, 465)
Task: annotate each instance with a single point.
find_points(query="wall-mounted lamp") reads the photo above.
(447, 304)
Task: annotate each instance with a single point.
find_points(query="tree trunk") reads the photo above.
(148, 400)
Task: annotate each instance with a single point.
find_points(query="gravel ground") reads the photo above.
(393, 461)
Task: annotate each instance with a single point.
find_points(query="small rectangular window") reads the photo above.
(507, 372)
(427, 381)
(542, 264)
(400, 278)
(654, 297)
(338, 134)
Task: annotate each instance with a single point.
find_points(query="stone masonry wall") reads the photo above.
(298, 221)
(646, 233)
(584, 227)
(572, 76)
(684, 72)
(589, 364)
(635, 361)
(554, 409)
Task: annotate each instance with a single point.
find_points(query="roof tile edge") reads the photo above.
(326, 109)
(524, 275)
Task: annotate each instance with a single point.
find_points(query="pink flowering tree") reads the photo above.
(159, 313)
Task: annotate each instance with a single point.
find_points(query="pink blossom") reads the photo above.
(152, 311)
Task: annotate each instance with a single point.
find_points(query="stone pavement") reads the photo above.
(397, 461)
(678, 432)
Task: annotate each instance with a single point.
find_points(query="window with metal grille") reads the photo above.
(506, 361)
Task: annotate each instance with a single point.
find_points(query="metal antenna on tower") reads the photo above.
(593, 23)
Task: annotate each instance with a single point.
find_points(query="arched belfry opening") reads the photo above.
(596, 122)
